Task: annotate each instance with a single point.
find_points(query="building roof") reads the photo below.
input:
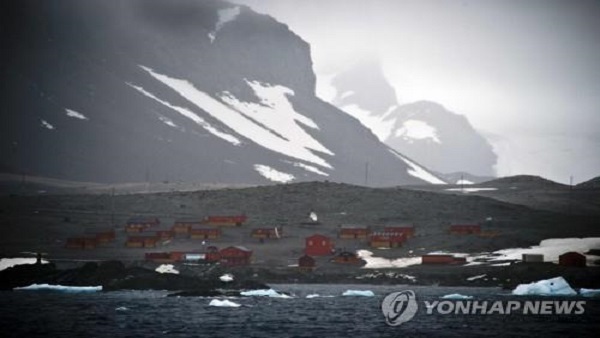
(143, 220)
(353, 226)
(318, 236)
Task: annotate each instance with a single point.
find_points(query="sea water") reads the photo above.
(153, 314)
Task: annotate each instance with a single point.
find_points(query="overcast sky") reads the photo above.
(526, 71)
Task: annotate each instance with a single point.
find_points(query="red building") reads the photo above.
(346, 257)
(236, 220)
(408, 230)
(386, 239)
(159, 257)
(183, 226)
(205, 233)
(319, 245)
(264, 233)
(164, 235)
(353, 232)
(235, 256)
(105, 236)
(89, 242)
(442, 259)
(141, 242)
(139, 224)
(306, 263)
(465, 229)
(572, 259)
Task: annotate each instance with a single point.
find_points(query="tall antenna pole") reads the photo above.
(367, 173)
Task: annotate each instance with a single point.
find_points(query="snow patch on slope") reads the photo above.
(412, 130)
(381, 263)
(190, 115)
(550, 248)
(273, 174)
(47, 125)
(167, 121)
(418, 171)
(275, 113)
(309, 168)
(381, 127)
(74, 114)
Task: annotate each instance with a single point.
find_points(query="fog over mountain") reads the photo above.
(523, 72)
(425, 131)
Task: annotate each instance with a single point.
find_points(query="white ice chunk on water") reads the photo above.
(359, 293)
(59, 288)
(589, 292)
(223, 303)
(316, 295)
(549, 287)
(456, 296)
(264, 293)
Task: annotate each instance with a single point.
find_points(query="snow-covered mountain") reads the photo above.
(176, 90)
(426, 131)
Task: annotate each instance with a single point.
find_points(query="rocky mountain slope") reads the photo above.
(157, 90)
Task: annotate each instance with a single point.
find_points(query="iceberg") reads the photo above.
(264, 293)
(223, 303)
(360, 293)
(59, 288)
(549, 287)
(589, 292)
(456, 296)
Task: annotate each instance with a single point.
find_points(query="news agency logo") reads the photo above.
(400, 307)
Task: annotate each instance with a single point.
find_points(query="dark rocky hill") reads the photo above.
(161, 90)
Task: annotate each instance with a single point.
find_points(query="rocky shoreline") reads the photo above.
(204, 280)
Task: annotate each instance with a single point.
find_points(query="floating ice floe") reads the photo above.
(589, 292)
(122, 308)
(167, 268)
(264, 293)
(226, 278)
(359, 293)
(549, 287)
(456, 296)
(223, 303)
(316, 295)
(59, 288)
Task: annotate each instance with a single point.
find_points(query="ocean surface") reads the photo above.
(152, 314)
